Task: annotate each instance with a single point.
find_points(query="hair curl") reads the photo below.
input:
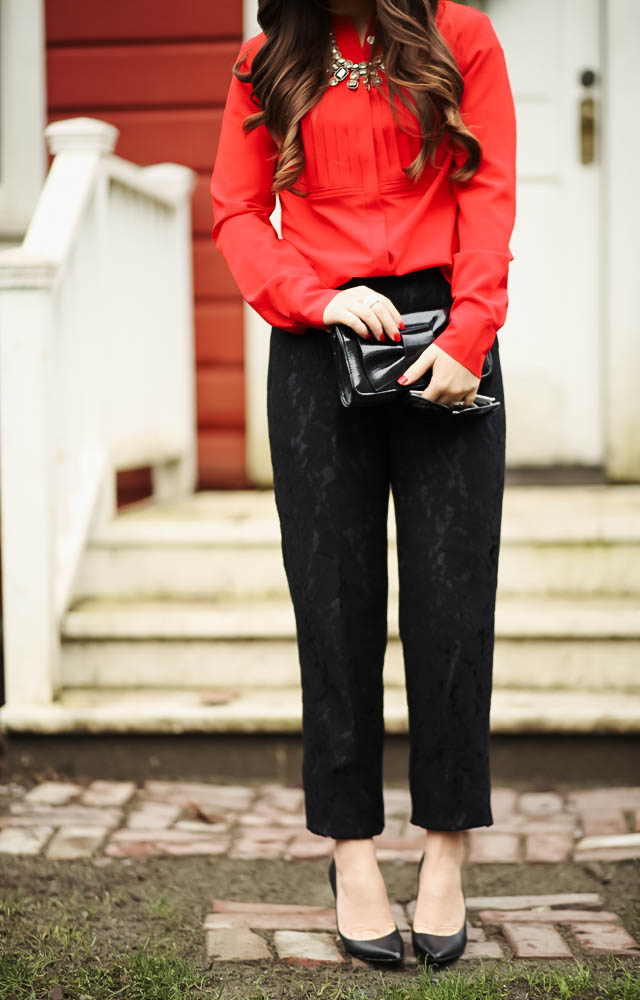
(289, 75)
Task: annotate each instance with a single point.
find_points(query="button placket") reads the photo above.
(346, 35)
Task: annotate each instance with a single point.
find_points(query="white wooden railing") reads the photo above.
(96, 375)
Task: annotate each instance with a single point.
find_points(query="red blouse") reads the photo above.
(362, 216)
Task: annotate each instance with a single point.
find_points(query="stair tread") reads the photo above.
(516, 617)
(279, 710)
(531, 514)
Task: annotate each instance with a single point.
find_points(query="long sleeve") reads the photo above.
(272, 275)
(486, 204)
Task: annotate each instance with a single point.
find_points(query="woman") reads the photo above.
(388, 130)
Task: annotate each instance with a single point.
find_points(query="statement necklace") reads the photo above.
(345, 69)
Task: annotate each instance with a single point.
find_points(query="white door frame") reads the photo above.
(620, 315)
(256, 347)
(621, 249)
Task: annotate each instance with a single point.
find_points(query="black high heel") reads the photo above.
(389, 948)
(436, 949)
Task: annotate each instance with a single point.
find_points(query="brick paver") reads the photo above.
(614, 847)
(540, 803)
(321, 920)
(306, 949)
(25, 814)
(72, 842)
(52, 793)
(598, 824)
(605, 939)
(236, 944)
(108, 793)
(535, 940)
(484, 845)
(548, 846)
(142, 843)
(538, 914)
(24, 841)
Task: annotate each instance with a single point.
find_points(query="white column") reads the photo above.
(622, 248)
(256, 341)
(22, 113)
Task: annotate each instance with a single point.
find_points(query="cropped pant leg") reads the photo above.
(448, 480)
(331, 484)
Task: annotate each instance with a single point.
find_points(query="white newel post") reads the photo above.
(31, 644)
(29, 280)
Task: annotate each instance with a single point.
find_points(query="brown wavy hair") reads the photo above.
(289, 75)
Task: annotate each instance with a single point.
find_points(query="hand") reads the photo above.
(450, 381)
(348, 307)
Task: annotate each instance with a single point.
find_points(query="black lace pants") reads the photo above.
(333, 469)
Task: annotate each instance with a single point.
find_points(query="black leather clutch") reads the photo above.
(368, 370)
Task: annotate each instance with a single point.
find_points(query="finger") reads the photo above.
(369, 317)
(419, 367)
(383, 313)
(355, 323)
(385, 301)
(435, 393)
(440, 392)
(387, 305)
(397, 315)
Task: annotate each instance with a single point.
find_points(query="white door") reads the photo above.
(550, 345)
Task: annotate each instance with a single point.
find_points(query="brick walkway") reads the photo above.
(118, 819)
(110, 820)
(498, 927)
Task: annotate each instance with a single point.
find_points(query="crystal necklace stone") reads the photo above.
(345, 69)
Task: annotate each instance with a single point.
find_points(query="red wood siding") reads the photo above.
(159, 70)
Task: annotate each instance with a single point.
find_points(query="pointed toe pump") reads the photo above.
(389, 948)
(438, 949)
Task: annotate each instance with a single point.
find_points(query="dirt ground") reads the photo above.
(163, 902)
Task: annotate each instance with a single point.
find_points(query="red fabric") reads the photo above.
(362, 215)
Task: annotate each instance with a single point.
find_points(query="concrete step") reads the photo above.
(541, 642)
(269, 710)
(581, 540)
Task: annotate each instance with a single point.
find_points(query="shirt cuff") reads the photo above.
(460, 345)
(311, 309)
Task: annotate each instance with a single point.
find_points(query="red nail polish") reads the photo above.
(397, 336)
(401, 324)
(403, 380)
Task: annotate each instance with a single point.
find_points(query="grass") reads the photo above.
(142, 975)
(58, 960)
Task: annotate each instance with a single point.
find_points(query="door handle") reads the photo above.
(587, 120)
(587, 130)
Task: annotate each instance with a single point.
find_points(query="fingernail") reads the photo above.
(403, 380)
(401, 324)
(397, 336)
